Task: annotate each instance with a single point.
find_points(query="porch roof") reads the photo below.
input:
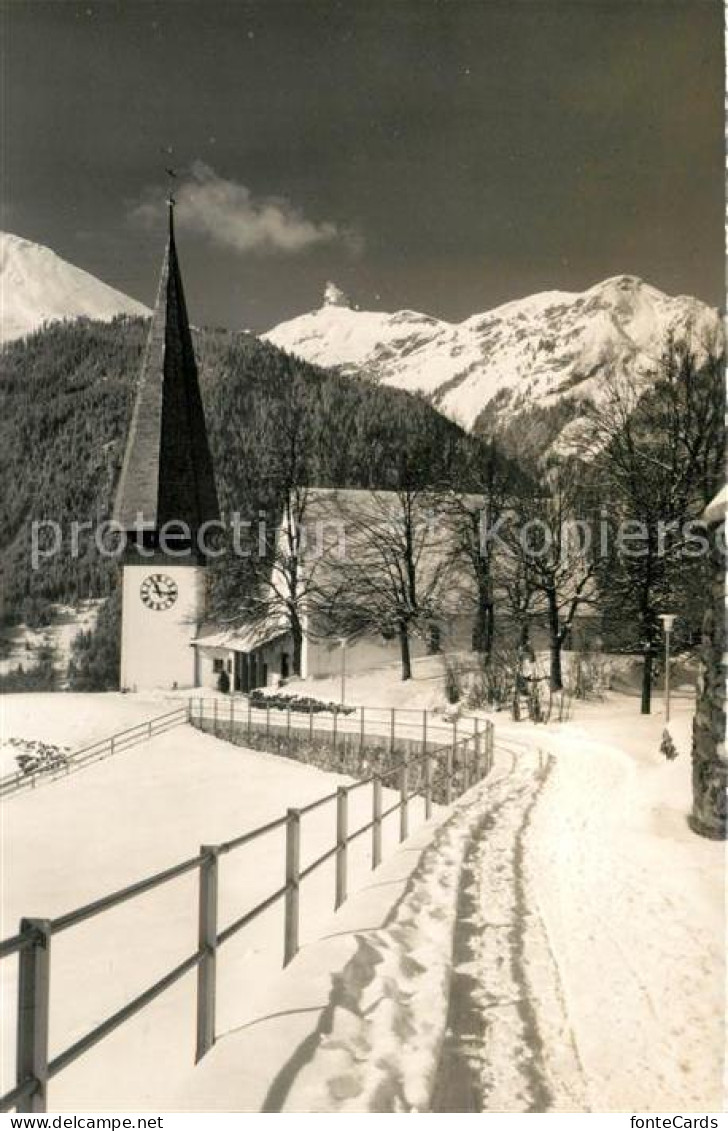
(244, 639)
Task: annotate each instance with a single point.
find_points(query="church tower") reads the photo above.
(165, 498)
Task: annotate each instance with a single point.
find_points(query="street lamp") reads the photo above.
(342, 642)
(668, 620)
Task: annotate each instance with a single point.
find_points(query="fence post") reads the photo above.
(392, 728)
(376, 821)
(214, 717)
(428, 786)
(449, 770)
(293, 869)
(424, 731)
(33, 1004)
(477, 750)
(250, 718)
(112, 744)
(189, 710)
(267, 721)
(207, 941)
(362, 733)
(335, 727)
(491, 745)
(466, 764)
(403, 813)
(232, 717)
(288, 724)
(310, 722)
(341, 844)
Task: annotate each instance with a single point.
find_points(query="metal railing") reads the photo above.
(457, 765)
(394, 726)
(93, 752)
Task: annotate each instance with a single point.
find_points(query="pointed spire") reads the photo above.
(167, 473)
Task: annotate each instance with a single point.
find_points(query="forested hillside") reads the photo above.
(66, 394)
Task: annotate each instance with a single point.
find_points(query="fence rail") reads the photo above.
(464, 760)
(93, 752)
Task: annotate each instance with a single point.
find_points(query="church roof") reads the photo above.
(167, 473)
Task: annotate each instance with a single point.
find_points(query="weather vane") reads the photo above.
(171, 176)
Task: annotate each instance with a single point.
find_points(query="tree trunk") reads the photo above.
(404, 646)
(484, 627)
(489, 630)
(710, 770)
(555, 680)
(647, 681)
(297, 635)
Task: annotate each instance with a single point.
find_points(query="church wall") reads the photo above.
(323, 658)
(156, 644)
(208, 661)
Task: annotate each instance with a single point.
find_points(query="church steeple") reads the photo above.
(167, 473)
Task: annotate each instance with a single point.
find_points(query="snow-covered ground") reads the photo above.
(72, 719)
(587, 966)
(575, 920)
(118, 821)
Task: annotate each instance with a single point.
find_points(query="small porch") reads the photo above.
(251, 658)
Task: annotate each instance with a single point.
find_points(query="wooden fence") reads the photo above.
(454, 766)
(95, 752)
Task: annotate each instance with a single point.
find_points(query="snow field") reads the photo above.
(74, 840)
(356, 1023)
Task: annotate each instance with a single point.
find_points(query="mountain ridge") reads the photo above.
(534, 350)
(38, 286)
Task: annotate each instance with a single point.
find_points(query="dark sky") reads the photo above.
(443, 155)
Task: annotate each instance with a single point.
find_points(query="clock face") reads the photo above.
(158, 591)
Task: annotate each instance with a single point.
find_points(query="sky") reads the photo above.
(437, 155)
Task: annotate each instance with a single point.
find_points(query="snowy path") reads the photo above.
(559, 948)
(588, 962)
(633, 904)
(508, 1044)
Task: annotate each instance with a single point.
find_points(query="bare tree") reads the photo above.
(392, 578)
(549, 539)
(477, 501)
(263, 582)
(659, 448)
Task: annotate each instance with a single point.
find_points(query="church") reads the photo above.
(165, 496)
(165, 501)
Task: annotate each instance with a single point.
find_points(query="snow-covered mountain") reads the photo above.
(536, 350)
(37, 286)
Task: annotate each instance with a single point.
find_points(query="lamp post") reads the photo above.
(342, 642)
(668, 620)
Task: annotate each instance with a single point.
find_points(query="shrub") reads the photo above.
(302, 703)
(668, 747)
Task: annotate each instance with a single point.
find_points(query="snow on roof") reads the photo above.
(244, 639)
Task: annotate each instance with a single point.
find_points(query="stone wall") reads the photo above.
(345, 753)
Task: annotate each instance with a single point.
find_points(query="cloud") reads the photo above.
(228, 213)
